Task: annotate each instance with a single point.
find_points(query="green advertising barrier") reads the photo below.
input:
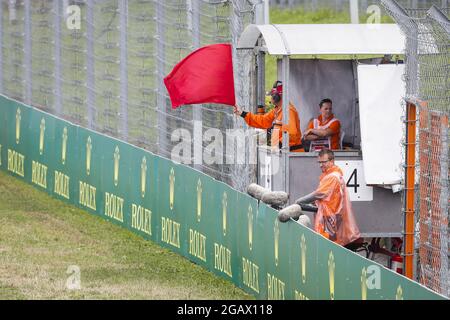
(115, 180)
(303, 260)
(17, 142)
(41, 149)
(213, 225)
(171, 203)
(65, 162)
(251, 246)
(221, 200)
(199, 216)
(88, 171)
(276, 255)
(142, 194)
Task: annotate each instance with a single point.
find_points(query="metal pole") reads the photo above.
(410, 169)
(57, 24)
(260, 77)
(123, 11)
(90, 63)
(285, 135)
(65, 4)
(160, 94)
(412, 92)
(193, 17)
(27, 53)
(261, 17)
(12, 10)
(355, 107)
(266, 12)
(354, 11)
(259, 13)
(285, 76)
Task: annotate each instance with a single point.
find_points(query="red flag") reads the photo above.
(204, 76)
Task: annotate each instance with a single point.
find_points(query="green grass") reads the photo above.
(40, 237)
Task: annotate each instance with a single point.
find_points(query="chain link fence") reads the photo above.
(343, 5)
(427, 86)
(101, 64)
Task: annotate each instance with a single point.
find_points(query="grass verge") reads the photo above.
(40, 237)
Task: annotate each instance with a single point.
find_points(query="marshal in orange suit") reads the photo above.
(273, 120)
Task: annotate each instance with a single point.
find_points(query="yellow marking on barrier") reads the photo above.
(39, 174)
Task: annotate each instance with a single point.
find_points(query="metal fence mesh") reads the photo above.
(343, 5)
(101, 64)
(427, 86)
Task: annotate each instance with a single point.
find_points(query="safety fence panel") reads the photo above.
(101, 64)
(427, 52)
(433, 250)
(188, 212)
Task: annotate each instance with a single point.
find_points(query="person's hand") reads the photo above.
(307, 132)
(237, 110)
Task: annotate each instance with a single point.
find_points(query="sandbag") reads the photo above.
(293, 211)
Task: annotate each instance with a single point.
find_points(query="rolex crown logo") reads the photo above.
(171, 188)
(276, 233)
(224, 213)
(41, 136)
(331, 270)
(88, 155)
(303, 254)
(364, 284)
(143, 175)
(18, 118)
(116, 165)
(250, 226)
(399, 294)
(199, 200)
(64, 146)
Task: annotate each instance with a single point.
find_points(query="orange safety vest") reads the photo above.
(273, 119)
(334, 218)
(332, 142)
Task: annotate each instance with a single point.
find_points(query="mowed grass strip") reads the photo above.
(40, 237)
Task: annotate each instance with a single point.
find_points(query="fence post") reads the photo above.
(57, 22)
(193, 17)
(27, 52)
(90, 71)
(160, 95)
(123, 11)
(354, 11)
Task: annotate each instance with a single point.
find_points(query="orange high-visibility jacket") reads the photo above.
(334, 218)
(333, 141)
(274, 119)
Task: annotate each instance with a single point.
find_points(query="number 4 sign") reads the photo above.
(354, 178)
